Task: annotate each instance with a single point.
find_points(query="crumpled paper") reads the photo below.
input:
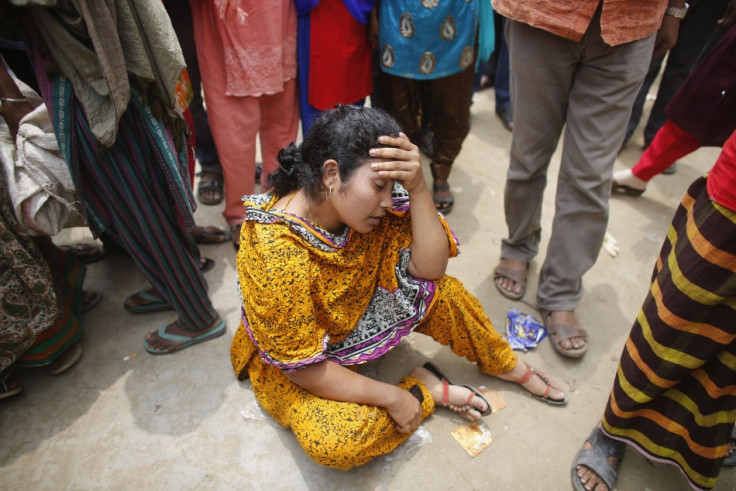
(523, 331)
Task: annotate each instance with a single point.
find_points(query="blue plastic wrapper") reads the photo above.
(523, 331)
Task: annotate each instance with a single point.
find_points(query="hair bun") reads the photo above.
(290, 159)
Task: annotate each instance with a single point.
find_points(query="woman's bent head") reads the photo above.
(344, 134)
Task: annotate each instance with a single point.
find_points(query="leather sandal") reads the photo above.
(560, 332)
(209, 234)
(518, 276)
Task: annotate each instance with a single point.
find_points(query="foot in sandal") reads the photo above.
(462, 399)
(510, 278)
(565, 334)
(536, 382)
(596, 464)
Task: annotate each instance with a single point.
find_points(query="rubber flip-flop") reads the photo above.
(210, 235)
(595, 458)
(186, 342)
(153, 303)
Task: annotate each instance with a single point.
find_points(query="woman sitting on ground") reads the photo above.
(334, 272)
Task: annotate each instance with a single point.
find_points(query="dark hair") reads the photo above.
(344, 134)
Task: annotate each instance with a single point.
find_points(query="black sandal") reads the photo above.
(214, 185)
(474, 392)
(443, 204)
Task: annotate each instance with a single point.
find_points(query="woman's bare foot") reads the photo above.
(459, 399)
(537, 383)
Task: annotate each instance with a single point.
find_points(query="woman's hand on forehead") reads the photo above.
(400, 161)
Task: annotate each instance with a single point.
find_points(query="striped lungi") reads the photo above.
(674, 396)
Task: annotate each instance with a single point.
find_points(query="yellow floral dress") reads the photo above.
(310, 296)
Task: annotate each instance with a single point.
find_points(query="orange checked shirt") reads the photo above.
(622, 21)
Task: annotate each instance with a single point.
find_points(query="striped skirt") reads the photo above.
(674, 396)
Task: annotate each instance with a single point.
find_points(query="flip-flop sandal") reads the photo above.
(86, 253)
(560, 332)
(213, 184)
(66, 360)
(531, 372)
(186, 342)
(445, 402)
(90, 299)
(153, 303)
(518, 276)
(210, 235)
(8, 385)
(595, 458)
(445, 204)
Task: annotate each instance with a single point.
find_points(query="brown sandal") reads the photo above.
(518, 276)
(560, 332)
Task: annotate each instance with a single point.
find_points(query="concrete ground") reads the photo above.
(123, 419)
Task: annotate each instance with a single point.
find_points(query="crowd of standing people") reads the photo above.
(342, 246)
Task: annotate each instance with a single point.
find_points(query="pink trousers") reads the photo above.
(236, 122)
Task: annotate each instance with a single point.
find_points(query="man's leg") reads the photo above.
(607, 80)
(542, 67)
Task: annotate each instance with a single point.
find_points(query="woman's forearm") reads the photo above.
(332, 381)
(430, 248)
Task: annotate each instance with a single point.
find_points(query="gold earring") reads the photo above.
(330, 193)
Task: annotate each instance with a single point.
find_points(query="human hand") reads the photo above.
(729, 14)
(666, 35)
(405, 410)
(400, 162)
(13, 112)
